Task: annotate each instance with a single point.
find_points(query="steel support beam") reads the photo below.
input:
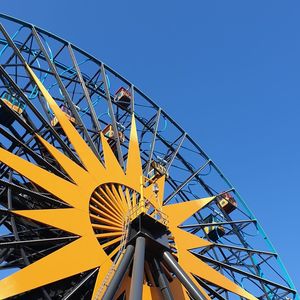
(180, 187)
(64, 92)
(162, 280)
(113, 118)
(173, 265)
(132, 99)
(18, 243)
(136, 286)
(153, 141)
(246, 274)
(36, 112)
(119, 274)
(176, 151)
(37, 195)
(195, 226)
(85, 90)
(79, 285)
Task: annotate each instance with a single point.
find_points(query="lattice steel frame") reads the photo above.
(86, 85)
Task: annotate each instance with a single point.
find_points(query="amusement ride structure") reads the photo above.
(104, 196)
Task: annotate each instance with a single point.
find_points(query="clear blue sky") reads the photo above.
(227, 71)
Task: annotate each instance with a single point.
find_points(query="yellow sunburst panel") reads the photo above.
(100, 198)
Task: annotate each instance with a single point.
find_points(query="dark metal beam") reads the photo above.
(173, 265)
(79, 285)
(119, 274)
(153, 141)
(36, 112)
(162, 280)
(176, 151)
(18, 243)
(247, 274)
(40, 196)
(29, 150)
(185, 182)
(85, 90)
(193, 226)
(211, 290)
(112, 115)
(246, 249)
(132, 99)
(136, 286)
(64, 92)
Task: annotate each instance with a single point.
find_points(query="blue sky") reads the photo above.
(227, 71)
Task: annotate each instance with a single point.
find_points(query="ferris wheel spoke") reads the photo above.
(218, 294)
(85, 90)
(153, 141)
(175, 151)
(112, 115)
(64, 91)
(246, 249)
(38, 196)
(247, 274)
(26, 149)
(13, 244)
(87, 278)
(41, 118)
(60, 264)
(182, 185)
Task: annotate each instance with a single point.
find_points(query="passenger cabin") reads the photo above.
(123, 97)
(214, 232)
(7, 102)
(68, 114)
(108, 132)
(157, 170)
(227, 203)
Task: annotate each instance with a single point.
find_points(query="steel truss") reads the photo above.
(86, 86)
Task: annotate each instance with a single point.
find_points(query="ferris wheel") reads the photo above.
(104, 196)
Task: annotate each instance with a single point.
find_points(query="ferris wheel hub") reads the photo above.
(156, 234)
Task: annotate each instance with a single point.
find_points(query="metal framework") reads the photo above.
(85, 89)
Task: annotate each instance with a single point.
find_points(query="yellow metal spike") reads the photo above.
(78, 174)
(134, 164)
(86, 155)
(191, 241)
(63, 263)
(63, 189)
(179, 212)
(195, 266)
(114, 172)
